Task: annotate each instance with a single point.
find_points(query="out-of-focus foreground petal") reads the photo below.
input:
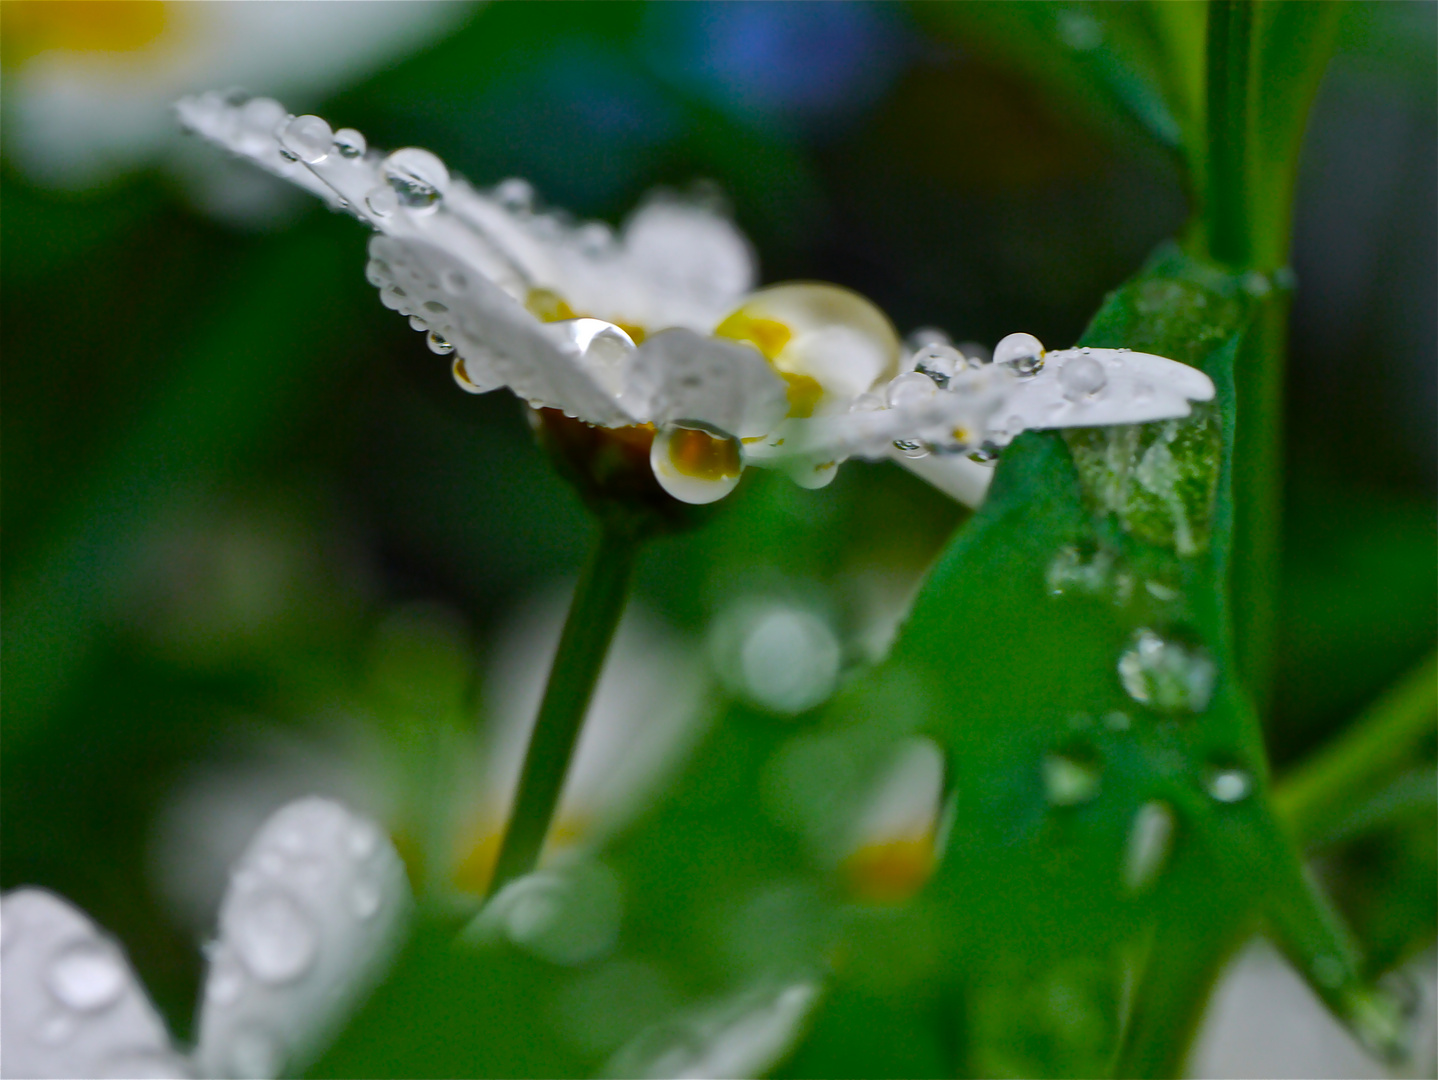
(315, 908)
(69, 1003)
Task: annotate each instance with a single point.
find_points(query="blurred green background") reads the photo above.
(226, 466)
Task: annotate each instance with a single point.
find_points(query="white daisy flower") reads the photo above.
(314, 909)
(88, 85)
(657, 326)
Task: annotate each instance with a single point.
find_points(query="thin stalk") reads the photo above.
(1230, 87)
(1379, 742)
(588, 631)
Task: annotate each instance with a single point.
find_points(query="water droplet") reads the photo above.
(515, 195)
(225, 982)
(253, 1056)
(438, 344)
(287, 155)
(393, 297)
(695, 463)
(1383, 1021)
(1150, 839)
(924, 335)
(55, 1029)
(454, 282)
(87, 976)
(987, 453)
(365, 901)
(1024, 352)
(463, 381)
(1228, 783)
(909, 389)
(309, 138)
(273, 936)
(416, 323)
(938, 362)
(382, 201)
(595, 238)
(1071, 778)
(911, 448)
(418, 178)
(1166, 675)
(1084, 571)
(1082, 377)
(350, 143)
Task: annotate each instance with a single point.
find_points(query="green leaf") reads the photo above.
(1079, 629)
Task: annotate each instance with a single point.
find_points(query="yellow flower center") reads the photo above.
(31, 27)
(889, 871)
(546, 305)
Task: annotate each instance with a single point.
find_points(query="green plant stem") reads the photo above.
(588, 631)
(1379, 742)
(1230, 85)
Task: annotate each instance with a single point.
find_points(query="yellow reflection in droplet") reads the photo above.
(703, 456)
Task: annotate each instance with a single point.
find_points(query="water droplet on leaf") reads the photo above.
(1071, 778)
(1166, 675)
(1150, 839)
(1228, 783)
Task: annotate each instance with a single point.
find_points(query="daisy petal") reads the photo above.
(679, 375)
(69, 1003)
(315, 908)
(1093, 387)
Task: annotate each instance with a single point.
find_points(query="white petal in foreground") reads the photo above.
(743, 1035)
(1093, 387)
(315, 908)
(69, 1003)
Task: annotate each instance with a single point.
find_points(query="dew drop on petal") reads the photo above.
(438, 344)
(87, 976)
(418, 178)
(453, 282)
(924, 335)
(350, 143)
(694, 463)
(382, 201)
(1166, 675)
(909, 389)
(273, 936)
(308, 138)
(515, 195)
(1150, 839)
(939, 362)
(1024, 352)
(365, 900)
(416, 323)
(912, 448)
(1082, 377)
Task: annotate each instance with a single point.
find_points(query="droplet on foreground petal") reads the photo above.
(69, 1003)
(418, 178)
(696, 464)
(1023, 352)
(316, 905)
(308, 138)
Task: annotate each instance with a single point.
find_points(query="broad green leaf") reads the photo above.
(1072, 655)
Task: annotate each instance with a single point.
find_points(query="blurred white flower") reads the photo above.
(895, 838)
(314, 909)
(88, 85)
(656, 326)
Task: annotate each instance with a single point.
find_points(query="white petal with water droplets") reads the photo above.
(316, 906)
(1132, 388)
(69, 1003)
(746, 1034)
(679, 375)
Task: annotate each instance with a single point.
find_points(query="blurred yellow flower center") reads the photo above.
(31, 27)
(703, 456)
(477, 854)
(546, 305)
(890, 871)
(770, 336)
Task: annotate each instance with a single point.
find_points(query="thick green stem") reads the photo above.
(1380, 742)
(593, 616)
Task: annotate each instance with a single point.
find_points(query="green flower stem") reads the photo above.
(1379, 743)
(1230, 86)
(588, 630)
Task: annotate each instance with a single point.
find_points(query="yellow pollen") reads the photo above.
(804, 393)
(767, 335)
(31, 27)
(703, 456)
(889, 872)
(546, 305)
(961, 434)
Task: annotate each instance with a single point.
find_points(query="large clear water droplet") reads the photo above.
(1150, 839)
(696, 463)
(912, 448)
(1082, 377)
(910, 388)
(939, 362)
(1071, 778)
(1023, 352)
(419, 179)
(1166, 675)
(416, 323)
(87, 976)
(350, 143)
(438, 344)
(273, 937)
(308, 138)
